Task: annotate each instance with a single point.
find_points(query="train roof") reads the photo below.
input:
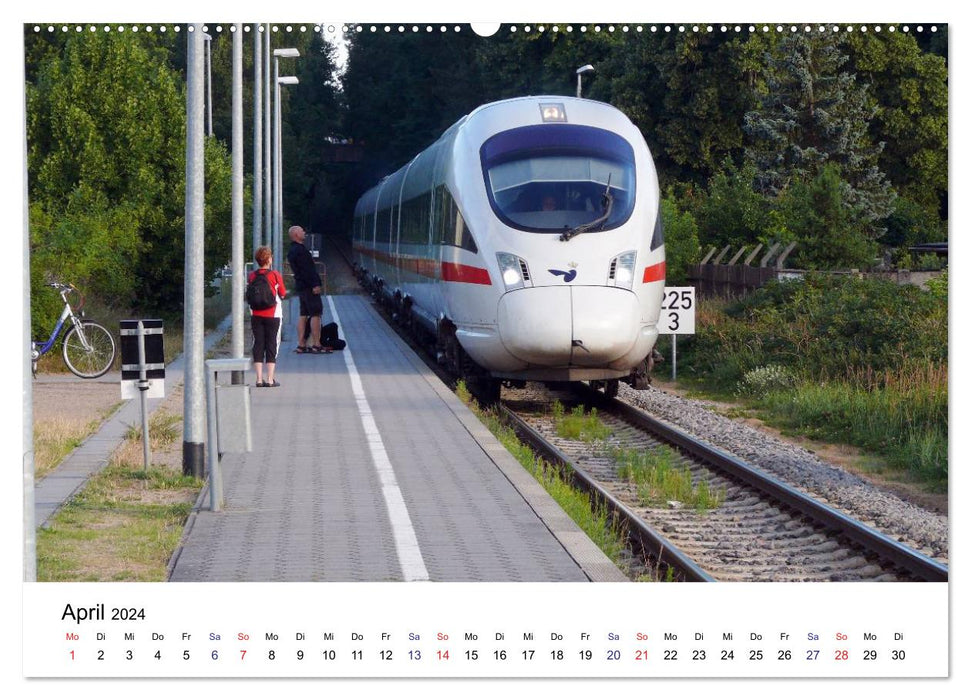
(569, 103)
(539, 98)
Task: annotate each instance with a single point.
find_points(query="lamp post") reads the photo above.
(267, 145)
(277, 244)
(278, 177)
(194, 407)
(208, 39)
(580, 71)
(257, 138)
(239, 267)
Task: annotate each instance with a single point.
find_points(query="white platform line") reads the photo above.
(405, 539)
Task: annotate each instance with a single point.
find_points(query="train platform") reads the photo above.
(365, 467)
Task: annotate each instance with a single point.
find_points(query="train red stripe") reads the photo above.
(654, 273)
(456, 272)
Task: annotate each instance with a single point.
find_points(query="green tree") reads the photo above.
(681, 247)
(822, 224)
(908, 89)
(705, 99)
(106, 159)
(733, 213)
(314, 119)
(404, 90)
(910, 224)
(815, 113)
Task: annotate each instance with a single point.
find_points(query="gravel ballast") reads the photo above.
(916, 527)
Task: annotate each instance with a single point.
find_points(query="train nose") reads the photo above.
(563, 325)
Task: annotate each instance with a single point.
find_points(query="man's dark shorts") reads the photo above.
(311, 304)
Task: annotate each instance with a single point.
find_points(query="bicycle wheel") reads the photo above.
(94, 360)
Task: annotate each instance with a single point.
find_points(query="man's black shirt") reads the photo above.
(303, 267)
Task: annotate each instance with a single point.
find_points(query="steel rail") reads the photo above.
(643, 535)
(920, 565)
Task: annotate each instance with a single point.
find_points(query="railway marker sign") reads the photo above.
(677, 318)
(677, 311)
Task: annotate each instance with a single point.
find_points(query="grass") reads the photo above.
(55, 438)
(659, 479)
(842, 361)
(901, 415)
(163, 429)
(579, 425)
(126, 522)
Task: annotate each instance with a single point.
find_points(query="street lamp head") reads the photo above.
(580, 71)
(286, 53)
(287, 80)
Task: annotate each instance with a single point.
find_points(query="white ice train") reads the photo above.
(527, 241)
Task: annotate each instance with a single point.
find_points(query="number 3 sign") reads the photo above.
(677, 311)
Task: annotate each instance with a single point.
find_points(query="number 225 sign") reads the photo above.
(677, 311)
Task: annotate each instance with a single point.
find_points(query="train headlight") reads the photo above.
(621, 272)
(515, 273)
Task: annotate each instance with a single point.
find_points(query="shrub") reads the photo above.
(823, 325)
(763, 380)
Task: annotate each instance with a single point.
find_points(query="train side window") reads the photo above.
(463, 235)
(384, 226)
(453, 230)
(414, 220)
(369, 226)
(657, 240)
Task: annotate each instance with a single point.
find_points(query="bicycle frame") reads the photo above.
(38, 348)
(43, 348)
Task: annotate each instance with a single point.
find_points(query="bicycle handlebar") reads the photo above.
(65, 289)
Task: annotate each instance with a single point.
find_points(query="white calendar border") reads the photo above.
(9, 430)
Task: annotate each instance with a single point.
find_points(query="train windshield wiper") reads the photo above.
(607, 202)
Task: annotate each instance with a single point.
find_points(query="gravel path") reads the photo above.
(919, 528)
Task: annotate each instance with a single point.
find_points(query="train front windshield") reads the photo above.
(552, 178)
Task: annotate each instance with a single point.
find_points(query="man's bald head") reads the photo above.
(297, 234)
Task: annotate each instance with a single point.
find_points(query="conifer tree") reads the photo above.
(816, 113)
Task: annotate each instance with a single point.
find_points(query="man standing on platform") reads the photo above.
(308, 286)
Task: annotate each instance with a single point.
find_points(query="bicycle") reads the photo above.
(88, 347)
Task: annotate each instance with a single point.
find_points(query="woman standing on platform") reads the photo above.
(266, 322)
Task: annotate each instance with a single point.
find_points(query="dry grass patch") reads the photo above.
(65, 414)
(55, 438)
(127, 521)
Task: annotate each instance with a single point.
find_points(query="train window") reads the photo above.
(554, 177)
(369, 227)
(657, 240)
(414, 220)
(452, 227)
(384, 226)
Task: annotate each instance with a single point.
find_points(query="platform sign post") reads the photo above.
(677, 318)
(142, 369)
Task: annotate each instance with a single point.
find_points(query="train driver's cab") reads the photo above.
(556, 177)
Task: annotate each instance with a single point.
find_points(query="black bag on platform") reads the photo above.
(329, 337)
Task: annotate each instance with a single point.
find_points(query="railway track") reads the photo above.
(761, 530)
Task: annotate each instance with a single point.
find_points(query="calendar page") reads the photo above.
(463, 448)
